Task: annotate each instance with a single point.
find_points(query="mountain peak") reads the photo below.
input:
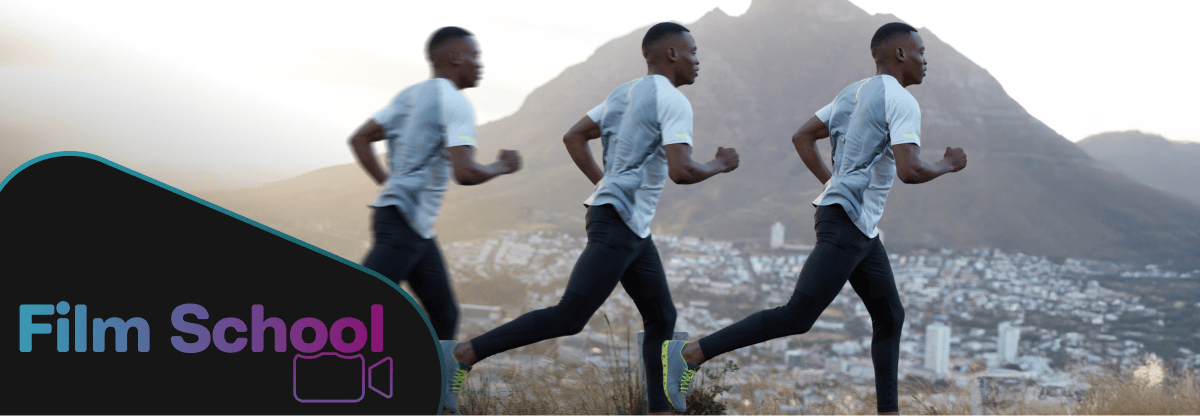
(715, 12)
(1126, 137)
(826, 10)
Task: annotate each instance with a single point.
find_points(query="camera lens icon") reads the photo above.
(330, 377)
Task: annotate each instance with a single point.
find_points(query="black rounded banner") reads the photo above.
(127, 296)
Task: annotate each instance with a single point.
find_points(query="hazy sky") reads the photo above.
(1082, 67)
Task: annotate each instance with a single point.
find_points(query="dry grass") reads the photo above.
(616, 388)
(776, 394)
(1126, 394)
(613, 389)
(529, 390)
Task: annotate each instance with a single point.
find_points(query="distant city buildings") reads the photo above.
(937, 348)
(835, 365)
(481, 312)
(777, 235)
(1006, 344)
(792, 358)
(777, 239)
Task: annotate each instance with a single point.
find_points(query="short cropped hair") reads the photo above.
(889, 31)
(657, 32)
(444, 35)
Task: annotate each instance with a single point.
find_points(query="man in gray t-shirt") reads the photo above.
(430, 133)
(875, 129)
(645, 127)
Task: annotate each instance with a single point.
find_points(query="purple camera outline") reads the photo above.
(366, 377)
(362, 363)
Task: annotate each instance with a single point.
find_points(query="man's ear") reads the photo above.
(455, 58)
(900, 55)
(672, 56)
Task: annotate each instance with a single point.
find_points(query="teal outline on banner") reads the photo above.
(428, 324)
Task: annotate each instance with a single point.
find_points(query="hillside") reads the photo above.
(1166, 165)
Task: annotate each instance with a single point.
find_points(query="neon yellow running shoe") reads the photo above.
(453, 375)
(677, 374)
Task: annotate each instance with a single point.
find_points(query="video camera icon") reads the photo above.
(330, 377)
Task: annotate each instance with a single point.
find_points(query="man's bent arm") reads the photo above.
(360, 142)
(576, 141)
(805, 141)
(683, 170)
(468, 172)
(910, 168)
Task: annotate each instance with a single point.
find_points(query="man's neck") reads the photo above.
(442, 74)
(882, 70)
(656, 70)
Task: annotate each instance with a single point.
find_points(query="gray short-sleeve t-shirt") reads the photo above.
(421, 122)
(636, 121)
(865, 120)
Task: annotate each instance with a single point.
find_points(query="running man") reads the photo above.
(645, 127)
(430, 133)
(875, 126)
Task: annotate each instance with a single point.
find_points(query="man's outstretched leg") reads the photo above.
(840, 248)
(611, 248)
